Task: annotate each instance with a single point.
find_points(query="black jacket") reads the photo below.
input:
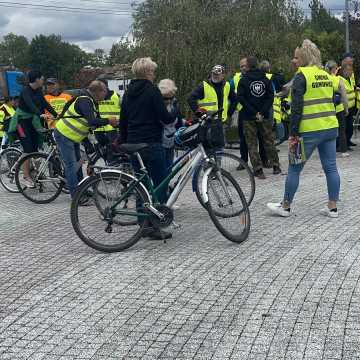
(255, 94)
(33, 102)
(143, 113)
(198, 94)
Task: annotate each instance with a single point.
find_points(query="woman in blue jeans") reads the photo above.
(313, 118)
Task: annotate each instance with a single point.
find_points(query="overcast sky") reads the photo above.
(90, 30)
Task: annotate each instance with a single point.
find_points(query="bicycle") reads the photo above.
(9, 158)
(131, 204)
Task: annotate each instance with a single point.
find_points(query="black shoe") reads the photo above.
(352, 144)
(156, 234)
(260, 174)
(350, 149)
(276, 170)
(240, 167)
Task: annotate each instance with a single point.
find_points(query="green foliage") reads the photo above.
(14, 50)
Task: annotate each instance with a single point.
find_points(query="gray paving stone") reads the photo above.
(292, 291)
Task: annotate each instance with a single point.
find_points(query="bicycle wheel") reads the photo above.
(227, 205)
(230, 163)
(108, 227)
(8, 159)
(46, 176)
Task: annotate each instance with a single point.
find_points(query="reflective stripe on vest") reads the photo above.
(319, 109)
(277, 109)
(74, 126)
(108, 109)
(210, 100)
(236, 79)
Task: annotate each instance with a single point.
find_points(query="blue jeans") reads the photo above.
(169, 154)
(70, 154)
(325, 142)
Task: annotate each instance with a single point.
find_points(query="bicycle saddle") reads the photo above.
(132, 148)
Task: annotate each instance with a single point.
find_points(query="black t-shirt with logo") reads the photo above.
(256, 94)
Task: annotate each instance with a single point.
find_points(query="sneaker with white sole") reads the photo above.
(329, 213)
(277, 209)
(345, 154)
(28, 183)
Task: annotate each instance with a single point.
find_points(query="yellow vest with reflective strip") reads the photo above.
(5, 109)
(73, 125)
(210, 100)
(108, 109)
(277, 115)
(319, 109)
(350, 91)
(236, 79)
(336, 81)
(358, 100)
(269, 75)
(2, 118)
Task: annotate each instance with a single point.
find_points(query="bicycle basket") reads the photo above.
(188, 136)
(211, 134)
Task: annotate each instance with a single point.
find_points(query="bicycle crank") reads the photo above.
(166, 219)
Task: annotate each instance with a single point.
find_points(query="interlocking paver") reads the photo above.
(290, 292)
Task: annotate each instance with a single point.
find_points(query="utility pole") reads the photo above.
(347, 34)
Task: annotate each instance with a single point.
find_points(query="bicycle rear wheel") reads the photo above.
(227, 206)
(108, 227)
(231, 163)
(8, 159)
(45, 174)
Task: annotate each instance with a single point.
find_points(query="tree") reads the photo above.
(122, 52)
(55, 57)
(14, 50)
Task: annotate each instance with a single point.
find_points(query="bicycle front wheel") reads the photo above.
(238, 169)
(8, 159)
(227, 205)
(44, 173)
(102, 221)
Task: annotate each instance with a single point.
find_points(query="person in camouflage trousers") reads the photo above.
(264, 127)
(256, 95)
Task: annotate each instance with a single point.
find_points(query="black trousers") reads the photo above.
(341, 141)
(349, 124)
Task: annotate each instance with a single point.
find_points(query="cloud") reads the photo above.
(90, 31)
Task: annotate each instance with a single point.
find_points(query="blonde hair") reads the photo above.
(167, 87)
(143, 66)
(309, 54)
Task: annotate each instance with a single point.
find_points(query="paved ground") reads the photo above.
(290, 292)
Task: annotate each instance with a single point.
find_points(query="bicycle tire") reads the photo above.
(248, 182)
(8, 159)
(219, 217)
(54, 184)
(95, 219)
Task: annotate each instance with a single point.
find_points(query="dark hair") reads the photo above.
(252, 62)
(33, 75)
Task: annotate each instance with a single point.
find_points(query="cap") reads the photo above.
(51, 80)
(218, 69)
(347, 55)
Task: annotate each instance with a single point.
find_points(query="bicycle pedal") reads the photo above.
(176, 226)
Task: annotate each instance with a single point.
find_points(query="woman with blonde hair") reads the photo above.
(313, 125)
(168, 91)
(143, 115)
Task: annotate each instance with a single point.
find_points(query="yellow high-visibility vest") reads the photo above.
(109, 109)
(350, 91)
(73, 125)
(277, 109)
(210, 100)
(2, 118)
(6, 112)
(236, 79)
(319, 109)
(336, 81)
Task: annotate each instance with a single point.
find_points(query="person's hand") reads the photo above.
(114, 122)
(200, 112)
(259, 117)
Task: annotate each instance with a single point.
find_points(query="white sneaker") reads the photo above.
(345, 154)
(277, 209)
(328, 213)
(28, 183)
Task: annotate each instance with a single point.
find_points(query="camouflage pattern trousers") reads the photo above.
(251, 128)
